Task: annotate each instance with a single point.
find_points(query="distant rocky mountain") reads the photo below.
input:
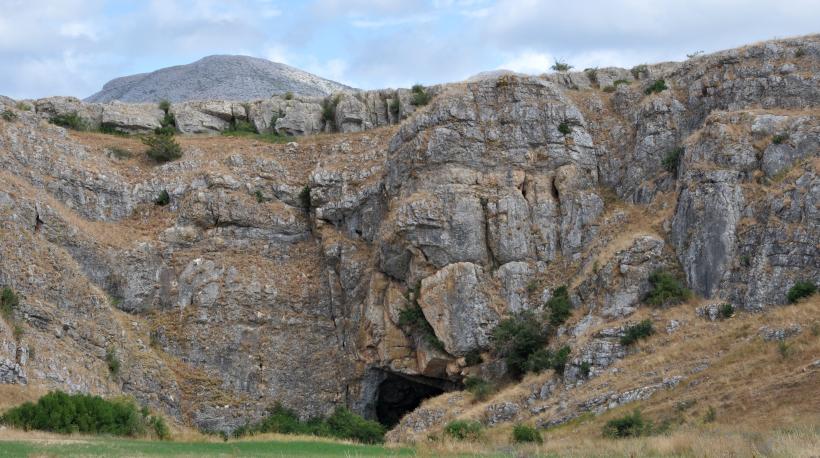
(216, 78)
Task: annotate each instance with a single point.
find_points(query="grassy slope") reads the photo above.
(109, 447)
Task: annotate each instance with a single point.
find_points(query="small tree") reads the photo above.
(560, 307)
(8, 303)
(516, 338)
(304, 198)
(560, 66)
(666, 289)
(630, 425)
(420, 95)
(671, 161)
(635, 332)
(524, 433)
(162, 148)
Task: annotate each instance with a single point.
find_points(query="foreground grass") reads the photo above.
(109, 447)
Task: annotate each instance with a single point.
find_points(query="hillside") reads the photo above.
(369, 260)
(216, 78)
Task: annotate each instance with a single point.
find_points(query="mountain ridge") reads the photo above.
(219, 76)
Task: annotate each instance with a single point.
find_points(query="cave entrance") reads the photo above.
(400, 394)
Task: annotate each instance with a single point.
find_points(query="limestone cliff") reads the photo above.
(475, 206)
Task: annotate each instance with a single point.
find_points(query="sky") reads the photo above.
(72, 47)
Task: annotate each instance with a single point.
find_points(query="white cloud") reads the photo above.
(530, 62)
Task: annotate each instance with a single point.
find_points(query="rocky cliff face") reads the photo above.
(474, 207)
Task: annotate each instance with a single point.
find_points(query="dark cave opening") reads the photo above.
(400, 394)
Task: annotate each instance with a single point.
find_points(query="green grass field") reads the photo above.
(138, 448)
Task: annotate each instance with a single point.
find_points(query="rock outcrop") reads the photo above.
(286, 272)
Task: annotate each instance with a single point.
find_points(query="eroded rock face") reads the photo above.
(239, 294)
(457, 303)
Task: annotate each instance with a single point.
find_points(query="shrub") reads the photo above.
(165, 106)
(617, 83)
(8, 303)
(711, 415)
(160, 428)
(420, 96)
(726, 310)
(524, 433)
(671, 161)
(516, 338)
(564, 128)
(168, 123)
(638, 70)
(473, 357)
(329, 109)
(113, 361)
(656, 87)
(666, 289)
(800, 290)
(342, 424)
(17, 332)
(479, 388)
(560, 307)
(239, 125)
(413, 320)
(163, 199)
(70, 121)
(585, 369)
(22, 106)
(560, 66)
(609, 89)
(79, 413)
(304, 198)
(463, 429)
(260, 198)
(162, 148)
(800, 52)
(635, 332)
(630, 425)
(395, 106)
(544, 359)
(779, 138)
(118, 152)
(592, 74)
(288, 95)
(9, 115)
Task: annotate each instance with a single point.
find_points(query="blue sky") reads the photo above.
(72, 47)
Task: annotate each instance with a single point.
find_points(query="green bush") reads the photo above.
(70, 121)
(238, 125)
(163, 199)
(666, 290)
(617, 83)
(304, 197)
(420, 96)
(779, 138)
(560, 66)
(22, 106)
(342, 424)
(413, 320)
(160, 428)
(800, 290)
(638, 70)
(479, 388)
(473, 357)
(113, 361)
(609, 89)
(711, 415)
(165, 106)
(9, 115)
(395, 106)
(288, 95)
(80, 413)
(671, 161)
(329, 109)
(592, 74)
(162, 148)
(516, 338)
(585, 369)
(524, 433)
(8, 303)
(464, 429)
(630, 425)
(635, 332)
(726, 310)
(564, 128)
(560, 307)
(656, 87)
(544, 359)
